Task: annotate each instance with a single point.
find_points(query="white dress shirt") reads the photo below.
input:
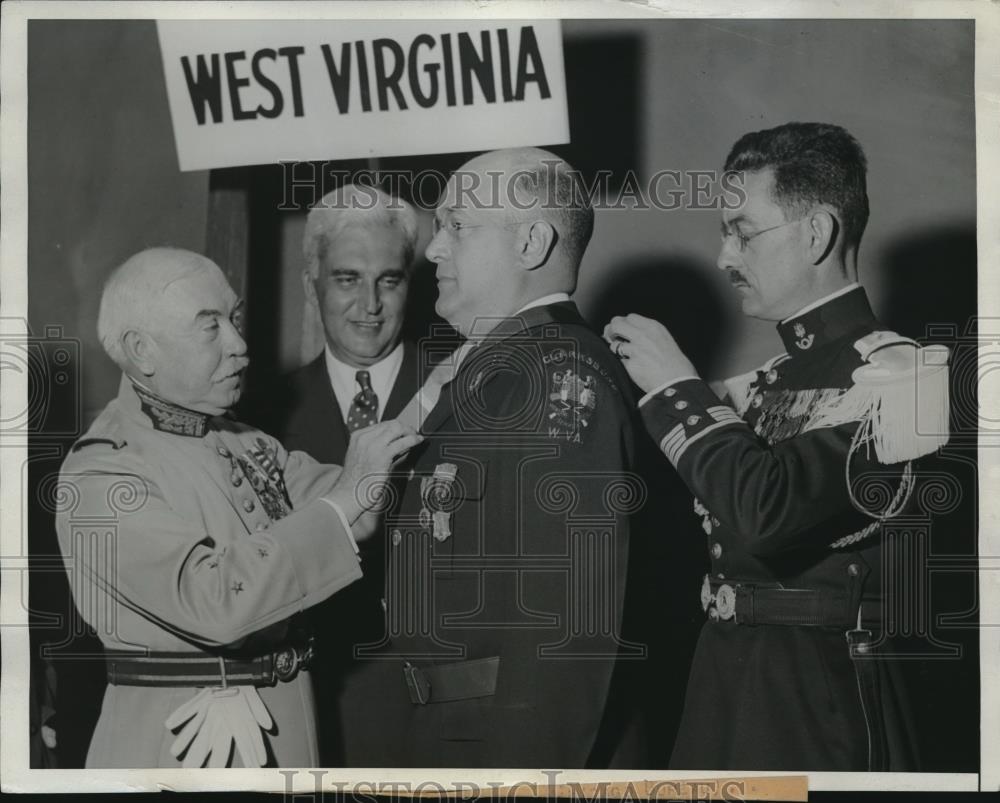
(345, 384)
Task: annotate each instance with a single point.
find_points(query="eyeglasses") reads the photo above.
(455, 227)
(742, 240)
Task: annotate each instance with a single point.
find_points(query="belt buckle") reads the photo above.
(286, 663)
(417, 684)
(725, 602)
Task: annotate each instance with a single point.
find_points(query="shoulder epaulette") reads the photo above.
(114, 443)
(904, 389)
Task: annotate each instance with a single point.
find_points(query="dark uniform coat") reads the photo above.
(507, 554)
(780, 483)
(184, 533)
(303, 412)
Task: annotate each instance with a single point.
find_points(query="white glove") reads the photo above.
(216, 718)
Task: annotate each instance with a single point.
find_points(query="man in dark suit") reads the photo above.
(508, 548)
(358, 248)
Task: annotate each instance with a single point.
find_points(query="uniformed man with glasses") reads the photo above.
(795, 473)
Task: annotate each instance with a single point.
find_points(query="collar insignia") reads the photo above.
(169, 417)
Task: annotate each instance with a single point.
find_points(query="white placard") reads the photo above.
(250, 92)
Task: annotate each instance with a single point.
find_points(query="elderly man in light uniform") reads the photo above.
(210, 537)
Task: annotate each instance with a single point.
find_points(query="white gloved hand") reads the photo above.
(216, 718)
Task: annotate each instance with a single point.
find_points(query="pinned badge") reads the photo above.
(436, 494)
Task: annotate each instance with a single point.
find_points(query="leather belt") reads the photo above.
(442, 683)
(752, 604)
(200, 669)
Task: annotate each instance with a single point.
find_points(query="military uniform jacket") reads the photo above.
(508, 549)
(186, 533)
(780, 478)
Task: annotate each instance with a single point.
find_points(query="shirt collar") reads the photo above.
(381, 372)
(826, 320)
(551, 298)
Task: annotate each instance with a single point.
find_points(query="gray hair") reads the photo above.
(132, 293)
(356, 205)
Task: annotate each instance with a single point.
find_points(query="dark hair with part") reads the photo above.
(813, 163)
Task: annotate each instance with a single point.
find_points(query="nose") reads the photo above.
(729, 256)
(371, 299)
(235, 343)
(437, 248)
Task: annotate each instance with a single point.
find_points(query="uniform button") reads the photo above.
(397, 536)
(670, 392)
(248, 505)
(771, 377)
(260, 526)
(721, 576)
(680, 405)
(693, 419)
(716, 551)
(758, 400)
(853, 570)
(237, 480)
(223, 451)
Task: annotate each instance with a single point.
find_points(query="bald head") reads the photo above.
(534, 183)
(133, 294)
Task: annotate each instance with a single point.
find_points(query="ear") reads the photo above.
(309, 288)
(139, 350)
(537, 245)
(824, 229)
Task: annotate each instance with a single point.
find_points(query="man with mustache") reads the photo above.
(191, 539)
(508, 549)
(786, 673)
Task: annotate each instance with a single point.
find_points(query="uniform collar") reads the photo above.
(827, 320)
(164, 416)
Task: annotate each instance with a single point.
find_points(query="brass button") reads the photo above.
(853, 570)
(721, 576)
(680, 405)
(248, 505)
(670, 392)
(223, 451)
(693, 419)
(716, 550)
(237, 480)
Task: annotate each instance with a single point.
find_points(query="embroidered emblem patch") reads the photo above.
(259, 465)
(572, 403)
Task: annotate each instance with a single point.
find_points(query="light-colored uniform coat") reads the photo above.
(169, 548)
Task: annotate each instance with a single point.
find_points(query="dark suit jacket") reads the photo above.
(536, 432)
(302, 412)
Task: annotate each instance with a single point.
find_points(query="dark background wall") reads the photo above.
(645, 96)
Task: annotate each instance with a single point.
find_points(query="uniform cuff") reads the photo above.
(660, 388)
(343, 520)
(682, 412)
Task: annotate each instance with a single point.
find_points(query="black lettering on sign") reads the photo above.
(385, 82)
(428, 100)
(277, 101)
(505, 87)
(366, 95)
(206, 89)
(449, 76)
(529, 52)
(471, 62)
(236, 84)
(340, 77)
(292, 55)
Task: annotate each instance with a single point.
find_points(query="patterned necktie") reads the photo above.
(364, 408)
